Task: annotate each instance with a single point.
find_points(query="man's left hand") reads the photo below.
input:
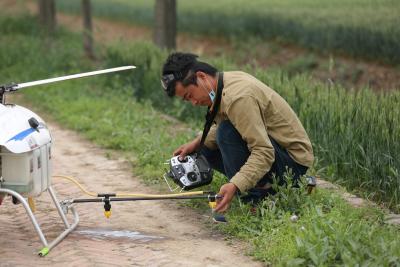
(227, 191)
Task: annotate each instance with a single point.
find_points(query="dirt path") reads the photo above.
(146, 233)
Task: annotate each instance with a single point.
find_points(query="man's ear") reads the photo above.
(201, 74)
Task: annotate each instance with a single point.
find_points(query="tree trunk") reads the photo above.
(52, 15)
(47, 15)
(42, 12)
(87, 28)
(165, 24)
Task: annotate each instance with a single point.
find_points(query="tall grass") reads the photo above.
(361, 28)
(355, 134)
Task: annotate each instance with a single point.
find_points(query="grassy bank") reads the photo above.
(122, 112)
(367, 29)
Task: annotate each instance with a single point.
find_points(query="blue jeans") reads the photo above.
(232, 154)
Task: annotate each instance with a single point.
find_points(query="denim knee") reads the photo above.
(227, 134)
(214, 158)
(233, 148)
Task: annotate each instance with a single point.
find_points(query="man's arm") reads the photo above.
(245, 114)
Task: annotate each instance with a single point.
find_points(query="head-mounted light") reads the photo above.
(166, 80)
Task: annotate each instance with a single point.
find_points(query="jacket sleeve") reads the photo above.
(246, 115)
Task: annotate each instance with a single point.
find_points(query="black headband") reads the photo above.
(172, 74)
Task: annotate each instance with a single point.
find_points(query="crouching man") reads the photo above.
(254, 134)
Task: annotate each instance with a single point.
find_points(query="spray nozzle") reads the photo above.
(107, 206)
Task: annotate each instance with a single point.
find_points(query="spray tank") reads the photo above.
(25, 141)
(25, 144)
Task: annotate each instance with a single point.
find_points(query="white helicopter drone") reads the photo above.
(26, 171)
(25, 155)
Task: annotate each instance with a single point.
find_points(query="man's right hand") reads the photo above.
(187, 148)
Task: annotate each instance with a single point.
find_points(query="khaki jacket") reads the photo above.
(258, 112)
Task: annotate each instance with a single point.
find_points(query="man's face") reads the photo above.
(197, 94)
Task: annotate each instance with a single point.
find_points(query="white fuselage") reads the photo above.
(25, 152)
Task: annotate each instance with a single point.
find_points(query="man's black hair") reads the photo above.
(180, 64)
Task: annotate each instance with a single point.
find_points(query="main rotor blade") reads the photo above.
(74, 76)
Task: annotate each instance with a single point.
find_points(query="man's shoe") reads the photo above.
(219, 218)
